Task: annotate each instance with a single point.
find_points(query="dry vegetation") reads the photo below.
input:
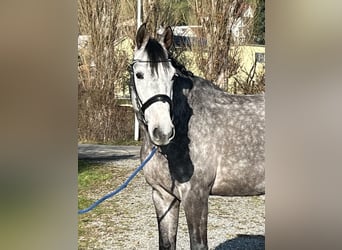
(102, 68)
(102, 72)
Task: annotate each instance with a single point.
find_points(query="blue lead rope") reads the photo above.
(124, 185)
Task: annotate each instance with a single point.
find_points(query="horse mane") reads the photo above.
(156, 54)
(181, 69)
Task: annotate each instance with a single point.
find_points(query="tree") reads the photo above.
(216, 57)
(259, 23)
(102, 69)
(164, 13)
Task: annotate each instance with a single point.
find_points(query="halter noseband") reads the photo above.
(156, 98)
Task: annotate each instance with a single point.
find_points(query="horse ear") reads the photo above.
(142, 36)
(167, 37)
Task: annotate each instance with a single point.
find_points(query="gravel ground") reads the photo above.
(127, 221)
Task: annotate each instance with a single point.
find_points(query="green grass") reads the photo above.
(97, 180)
(94, 181)
(90, 175)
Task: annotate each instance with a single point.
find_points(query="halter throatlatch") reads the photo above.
(156, 98)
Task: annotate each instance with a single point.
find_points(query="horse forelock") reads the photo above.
(156, 54)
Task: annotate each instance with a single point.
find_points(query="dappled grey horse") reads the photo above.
(209, 142)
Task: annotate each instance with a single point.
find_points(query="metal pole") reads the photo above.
(136, 128)
(136, 122)
(138, 13)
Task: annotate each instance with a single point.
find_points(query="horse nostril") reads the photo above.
(156, 134)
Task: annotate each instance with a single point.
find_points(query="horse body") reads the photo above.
(226, 134)
(217, 149)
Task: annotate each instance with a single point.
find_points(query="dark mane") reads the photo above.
(155, 53)
(180, 67)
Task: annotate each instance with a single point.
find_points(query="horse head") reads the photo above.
(152, 76)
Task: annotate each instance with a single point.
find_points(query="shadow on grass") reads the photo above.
(243, 242)
(86, 163)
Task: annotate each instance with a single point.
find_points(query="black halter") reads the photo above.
(156, 98)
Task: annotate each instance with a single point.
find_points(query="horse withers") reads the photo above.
(209, 142)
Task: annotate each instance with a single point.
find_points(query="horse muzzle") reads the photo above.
(162, 138)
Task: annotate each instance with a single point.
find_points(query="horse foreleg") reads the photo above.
(167, 209)
(196, 212)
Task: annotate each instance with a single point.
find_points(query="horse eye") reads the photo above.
(139, 75)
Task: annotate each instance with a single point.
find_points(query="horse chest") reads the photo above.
(177, 170)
